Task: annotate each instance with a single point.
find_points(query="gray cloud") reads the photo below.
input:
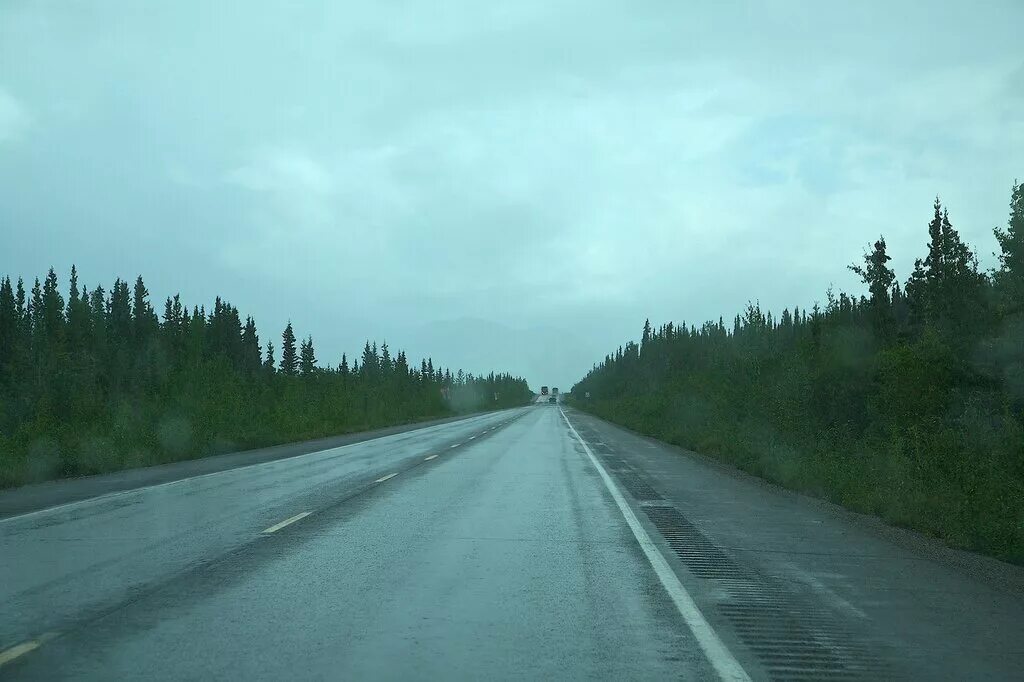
(434, 172)
(14, 119)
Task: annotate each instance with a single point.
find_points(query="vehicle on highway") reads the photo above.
(552, 399)
(543, 390)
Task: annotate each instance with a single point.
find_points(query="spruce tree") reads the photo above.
(386, 365)
(933, 262)
(35, 314)
(251, 360)
(53, 312)
(307, 360)
(78, 316)
(119, 312)
(289, 356)
(876, 273)
(1010, 276)
(879, 278)
(268, 364)
(144, 321)
(370, 362)
(8, 329)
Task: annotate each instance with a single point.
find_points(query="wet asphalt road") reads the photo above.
(501, 558)
(491, 548)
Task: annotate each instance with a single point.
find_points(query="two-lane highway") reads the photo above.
(499, 556)
(526, 544)
(64, 566)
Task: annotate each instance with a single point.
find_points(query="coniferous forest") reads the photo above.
(98, 381)
(906, 402)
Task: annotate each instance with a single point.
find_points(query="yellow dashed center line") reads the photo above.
(279, 526)
(8, 655)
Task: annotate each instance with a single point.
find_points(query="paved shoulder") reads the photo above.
(802, 589)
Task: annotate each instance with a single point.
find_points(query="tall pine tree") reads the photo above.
(289, 356)
(307, 359)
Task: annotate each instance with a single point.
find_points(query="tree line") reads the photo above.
(906, 402)
(98, 381)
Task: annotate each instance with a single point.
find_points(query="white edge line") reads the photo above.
(128, 491)
(287, 522)
(427, 459)
(384, 478)
(724, 663)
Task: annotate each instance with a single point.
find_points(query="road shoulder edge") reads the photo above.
(721, 659)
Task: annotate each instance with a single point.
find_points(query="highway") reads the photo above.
(535, 543)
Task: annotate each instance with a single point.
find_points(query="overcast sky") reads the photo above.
(500, 185)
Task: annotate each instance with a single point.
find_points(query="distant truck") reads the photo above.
(543, 390)
(554, 391)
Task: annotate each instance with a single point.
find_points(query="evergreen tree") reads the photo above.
(879, 278)
(144, 322)
(251, 360)
(119, 312)
(35, 314)
(289, 357)
(268, 364)
(370, 362)
(8, 329)
(934, 267)
(77, 315)
(962, 295)
(307, 360)
(21, 312)
(877, 274)
(53, 311)
(1010, 276)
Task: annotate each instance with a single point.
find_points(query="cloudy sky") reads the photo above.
(499, 185)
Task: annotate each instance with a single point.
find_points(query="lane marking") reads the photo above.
(384, 478)
(472, 437)
(427, 459)
(724, 663)
(114, 494)
(278, 526)
(9, 655)
(455, 446)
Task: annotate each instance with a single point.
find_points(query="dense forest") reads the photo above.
(100, 382)
(906, 402)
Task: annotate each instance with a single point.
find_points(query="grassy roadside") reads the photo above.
(972, 508)
(62, 451)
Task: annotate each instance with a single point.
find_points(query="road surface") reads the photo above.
(524, 544)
